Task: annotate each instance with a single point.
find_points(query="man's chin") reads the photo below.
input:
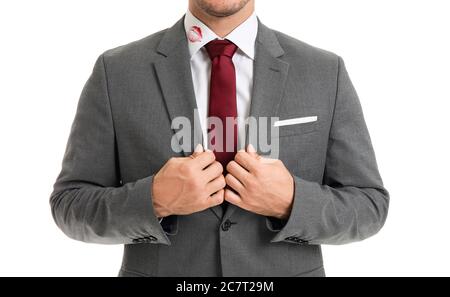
(222, 10)
(222, 13)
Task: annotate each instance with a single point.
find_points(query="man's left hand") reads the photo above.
(261, 185)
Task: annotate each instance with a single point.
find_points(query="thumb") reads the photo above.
(252, 151)
(197, 151)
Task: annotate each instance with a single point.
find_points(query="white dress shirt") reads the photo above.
(244, 37)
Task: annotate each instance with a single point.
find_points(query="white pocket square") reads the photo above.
(295, 121)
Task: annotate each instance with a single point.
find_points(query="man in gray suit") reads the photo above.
(126, 179)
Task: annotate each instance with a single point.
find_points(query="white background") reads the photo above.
(397, 53)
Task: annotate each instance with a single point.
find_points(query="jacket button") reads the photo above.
(147, 239)
(297, 240)
(227, 225)
(137, 240)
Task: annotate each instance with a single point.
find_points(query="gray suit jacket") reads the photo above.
(121, 137)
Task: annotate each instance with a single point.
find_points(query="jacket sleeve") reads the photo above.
(351, 204)
(89, 202)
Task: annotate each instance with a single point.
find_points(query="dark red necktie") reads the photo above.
(222, 100)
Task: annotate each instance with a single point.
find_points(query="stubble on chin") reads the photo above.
(215, 11)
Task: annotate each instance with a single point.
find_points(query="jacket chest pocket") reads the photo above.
(295, 126)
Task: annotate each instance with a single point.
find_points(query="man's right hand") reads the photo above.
(188, 184)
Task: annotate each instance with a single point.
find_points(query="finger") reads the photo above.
(238, 171)
(234, 183)
(246, 160)
(216, 185)
(204, 159)
(233, 198)
(212, 171)
(215, 199)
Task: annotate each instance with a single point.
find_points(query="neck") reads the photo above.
(222, 26)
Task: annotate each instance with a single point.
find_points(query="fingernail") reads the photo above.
(198, 148)
(251, 148)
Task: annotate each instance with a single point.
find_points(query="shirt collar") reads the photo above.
(198, 34)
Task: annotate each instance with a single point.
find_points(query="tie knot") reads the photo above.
(219, 47)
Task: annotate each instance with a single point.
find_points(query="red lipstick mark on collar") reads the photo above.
(195, 34)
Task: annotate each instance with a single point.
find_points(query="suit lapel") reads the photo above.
(269, 80)
(174, 75)
(175, 78)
